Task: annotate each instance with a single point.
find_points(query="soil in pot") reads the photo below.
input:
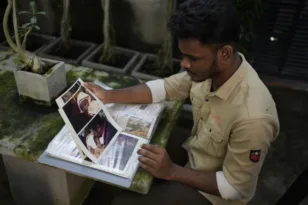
(73, 52)
(47, 69)
(151, 67)
(118, 60)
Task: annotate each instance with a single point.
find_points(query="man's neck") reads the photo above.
(226, 75)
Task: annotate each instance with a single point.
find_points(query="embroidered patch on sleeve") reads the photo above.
(255, 155)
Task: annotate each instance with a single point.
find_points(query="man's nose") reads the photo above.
(185, 64)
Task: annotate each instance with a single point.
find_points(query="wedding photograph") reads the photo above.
(69, 94)
(81, 108)
(96, 135)
(119, 152)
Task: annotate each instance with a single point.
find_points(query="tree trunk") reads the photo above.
(107, 48)
(66, 24)
(165, 54)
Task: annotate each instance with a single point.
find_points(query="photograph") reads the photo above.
(96, 135)
(119, 152)
(81, 108)
(137, 126)
(69, 94)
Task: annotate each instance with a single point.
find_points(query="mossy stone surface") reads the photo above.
(26, 129)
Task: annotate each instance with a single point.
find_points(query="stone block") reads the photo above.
(32, 183)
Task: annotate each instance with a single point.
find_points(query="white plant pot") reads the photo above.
(41, 89)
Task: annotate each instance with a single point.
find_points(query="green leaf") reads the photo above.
(33, 20)
(32, 4)
(37, 27)
(24, 12)
(26, 25)
(41, 12)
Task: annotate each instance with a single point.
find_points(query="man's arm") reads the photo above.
(241, 166)
(175, 87)
(135, 94)
(156, 161)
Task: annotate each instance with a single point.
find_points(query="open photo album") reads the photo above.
(102, 136)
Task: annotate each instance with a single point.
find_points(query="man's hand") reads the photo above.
(98, 91)
(156, 161)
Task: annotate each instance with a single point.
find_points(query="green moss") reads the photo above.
(22, 123)
(141, 182)
(49, 71)
(4, 64)
(26, 99)
(18, 62)
(5, 56)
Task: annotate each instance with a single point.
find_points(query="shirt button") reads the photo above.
(206, 100)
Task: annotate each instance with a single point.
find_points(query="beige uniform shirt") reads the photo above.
(233, 127)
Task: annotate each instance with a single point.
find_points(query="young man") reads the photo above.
(235, 118)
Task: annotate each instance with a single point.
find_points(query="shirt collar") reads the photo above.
(226, 89)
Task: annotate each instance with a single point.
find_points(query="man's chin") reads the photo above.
(197, 79)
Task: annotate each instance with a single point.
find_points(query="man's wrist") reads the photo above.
(176, 173)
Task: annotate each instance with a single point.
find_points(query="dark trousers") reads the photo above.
(167, 192)
(163, 193)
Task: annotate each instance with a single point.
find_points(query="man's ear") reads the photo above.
(225, 54)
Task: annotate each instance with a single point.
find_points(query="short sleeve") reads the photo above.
(248, 145)
(178, 86)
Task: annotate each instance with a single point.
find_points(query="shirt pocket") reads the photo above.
(210, 141)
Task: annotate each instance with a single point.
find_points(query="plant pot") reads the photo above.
(35, 43)
(125, 60)
(147, 63)
(41, 89)
(73, 55)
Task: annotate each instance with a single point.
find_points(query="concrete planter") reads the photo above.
(127, 60)
(74, 55)
(35, 43)
(146, 58)
(41, 89)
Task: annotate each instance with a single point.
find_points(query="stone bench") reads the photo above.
(26, 130)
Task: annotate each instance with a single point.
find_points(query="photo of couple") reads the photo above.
(80, 106)
(97, 134)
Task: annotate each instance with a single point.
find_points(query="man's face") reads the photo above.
(198, 61)
(84, 105)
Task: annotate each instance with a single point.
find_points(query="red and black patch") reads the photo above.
(255, 155)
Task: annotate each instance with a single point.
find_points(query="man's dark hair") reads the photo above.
(209, 21)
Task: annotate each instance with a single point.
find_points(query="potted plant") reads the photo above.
(107, 56)
(162, 65)
(64, 48)
(38, 80)
(33, 42)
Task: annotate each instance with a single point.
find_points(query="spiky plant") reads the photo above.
(30, 60)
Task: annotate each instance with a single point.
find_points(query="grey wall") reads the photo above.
(138, 23)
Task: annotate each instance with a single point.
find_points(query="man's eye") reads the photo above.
(192, 58)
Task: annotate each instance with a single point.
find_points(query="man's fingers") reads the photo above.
(153, 148)
(146, 167)
(148, 162)
(148, 154)
(90, 86)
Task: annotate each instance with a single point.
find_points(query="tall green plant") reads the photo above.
(108, 36)
(30, 60)
(164, 61)
(66, 24)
